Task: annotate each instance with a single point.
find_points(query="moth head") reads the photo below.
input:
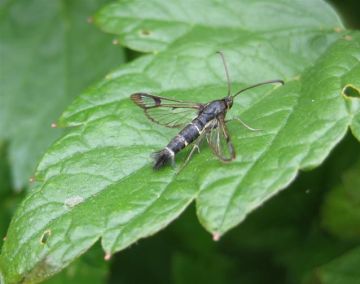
(228, 101)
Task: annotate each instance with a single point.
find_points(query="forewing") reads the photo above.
(220, 141)
(168, 112)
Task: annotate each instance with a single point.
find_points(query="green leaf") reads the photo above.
(298, 140)
(96, 182)
(341, 270)
(46, 59)
(341, 209)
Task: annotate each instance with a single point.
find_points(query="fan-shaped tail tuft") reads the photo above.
(161, 158)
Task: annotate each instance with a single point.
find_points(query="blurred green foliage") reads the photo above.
(349, 12)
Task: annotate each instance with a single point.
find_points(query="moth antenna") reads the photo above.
(259, 84)
(226, 72)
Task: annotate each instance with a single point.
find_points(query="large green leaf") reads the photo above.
(96, 181)
(49, 53)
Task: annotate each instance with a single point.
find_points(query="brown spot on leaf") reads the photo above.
(145, 32)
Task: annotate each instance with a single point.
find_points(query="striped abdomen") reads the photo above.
(180, 141)
(186, 136)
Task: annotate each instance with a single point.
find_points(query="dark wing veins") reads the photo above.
(165, 111)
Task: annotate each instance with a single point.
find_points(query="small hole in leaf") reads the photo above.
(351, 91)
(45, 237)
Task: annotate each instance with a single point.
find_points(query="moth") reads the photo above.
(198, 121)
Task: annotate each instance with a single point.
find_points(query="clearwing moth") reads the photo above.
(197, 120)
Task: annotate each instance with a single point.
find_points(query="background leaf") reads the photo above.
(48, 55)
(5, 191)
(341, 270)
(96, 181)
(90, 268)
(342, 206)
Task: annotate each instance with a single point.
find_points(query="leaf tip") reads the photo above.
(216, 236)
(107, 256)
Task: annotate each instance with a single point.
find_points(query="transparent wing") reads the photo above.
(220, 141)
(168, 112)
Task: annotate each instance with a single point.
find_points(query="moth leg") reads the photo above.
(244, 124)
(195, 147)
(172, 162)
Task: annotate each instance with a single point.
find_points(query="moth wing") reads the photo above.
(167, 112)
(220, 141)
